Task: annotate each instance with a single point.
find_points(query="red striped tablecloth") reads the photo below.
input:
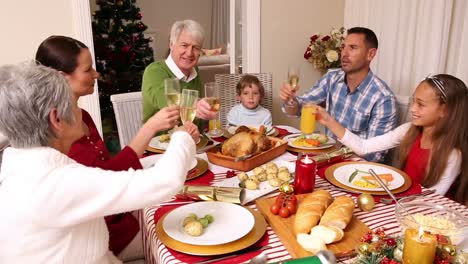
(381, 216)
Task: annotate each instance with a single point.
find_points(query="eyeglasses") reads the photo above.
(438, 83)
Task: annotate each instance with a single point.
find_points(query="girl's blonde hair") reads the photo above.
(450, 133)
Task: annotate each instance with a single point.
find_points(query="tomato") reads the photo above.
(291, 206)
(275, 208)
(280, 199)
(292, 198)
(284, 212)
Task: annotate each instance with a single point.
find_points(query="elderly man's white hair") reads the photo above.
(28, 93)
(191, 27)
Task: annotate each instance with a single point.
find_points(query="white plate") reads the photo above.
(155, 143)
(269, 129)
(292, 137)
(264, 188)
(343, 173)
(231, 222)
(149, 161)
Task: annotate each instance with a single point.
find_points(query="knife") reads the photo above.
(238, 253)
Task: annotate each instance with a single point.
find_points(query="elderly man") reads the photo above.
(55, 206)
(354, 96)
(186, 40)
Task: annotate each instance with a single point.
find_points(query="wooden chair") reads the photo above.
(227, 92)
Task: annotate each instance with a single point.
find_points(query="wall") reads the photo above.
(159, 15)
(286, 27)
(25, 24)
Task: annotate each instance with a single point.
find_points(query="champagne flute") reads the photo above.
(212, 97)
(172, 91)
(188, 105)
(293, 77)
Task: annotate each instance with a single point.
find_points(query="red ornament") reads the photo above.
(391, 242)
(139, 16)
(125, 48)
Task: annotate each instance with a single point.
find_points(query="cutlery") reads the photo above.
(376, 177)
(238, 253)
(413, 196)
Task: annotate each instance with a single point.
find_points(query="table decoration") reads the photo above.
(304, 180)
(324, 51)
(365, 202)
(377, 247)
(211, 193)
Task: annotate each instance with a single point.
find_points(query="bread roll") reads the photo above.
(328, 234)
(339, 213)
(310, 210)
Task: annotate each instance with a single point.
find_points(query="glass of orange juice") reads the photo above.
(308, 119)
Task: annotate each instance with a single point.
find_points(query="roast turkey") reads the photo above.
(244, 143)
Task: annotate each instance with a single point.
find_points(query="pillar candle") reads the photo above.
(304, 180)
(419, 248)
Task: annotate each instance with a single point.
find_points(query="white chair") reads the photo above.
(128, 109)
(227, 91)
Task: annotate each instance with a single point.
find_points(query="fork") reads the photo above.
(390, 201)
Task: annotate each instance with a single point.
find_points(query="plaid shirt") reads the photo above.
(369, 111)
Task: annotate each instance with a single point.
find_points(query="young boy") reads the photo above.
(250, 93)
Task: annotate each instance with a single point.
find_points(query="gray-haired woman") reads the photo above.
(55, 206)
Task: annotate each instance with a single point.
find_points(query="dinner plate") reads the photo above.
(252, 237)
(339, 174)
(231, 222)
(157, 146)
(149, 161)
(271, 130)
(264, 187)
(290, 138)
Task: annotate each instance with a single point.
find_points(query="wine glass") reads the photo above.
(172, 91)
(212, 97)
(188, 105)
(308, 119)
(293, 79)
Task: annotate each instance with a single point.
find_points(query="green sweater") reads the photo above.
(153, 88)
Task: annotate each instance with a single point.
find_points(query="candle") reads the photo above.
(420, 247)
(304, 181)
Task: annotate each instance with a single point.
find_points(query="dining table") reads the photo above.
(382, 216)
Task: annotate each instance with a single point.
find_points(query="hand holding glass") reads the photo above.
(308, 119)
(212, 97)
(188, 105)
(293, 80)
(172, 91)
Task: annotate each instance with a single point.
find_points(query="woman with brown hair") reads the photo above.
(434, 146)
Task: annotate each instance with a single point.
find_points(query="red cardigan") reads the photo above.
(91, 151)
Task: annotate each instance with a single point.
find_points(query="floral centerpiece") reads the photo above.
(378, 248)
(325, 51)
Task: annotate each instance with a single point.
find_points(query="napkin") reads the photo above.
(282, 132)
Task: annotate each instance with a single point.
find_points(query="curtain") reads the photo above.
(416, 38)
(220, 24)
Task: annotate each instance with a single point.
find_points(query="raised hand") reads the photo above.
(286, 92)
(204, 110)
(165, 119)
(192, 129)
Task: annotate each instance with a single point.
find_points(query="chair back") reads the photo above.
(403, 104)
(227, 91)
(128, 109)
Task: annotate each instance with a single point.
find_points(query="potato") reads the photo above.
(275, 182)
(262, 177)
(272, 169)
(284, 176)
(271, 176)
(283, 168)
(193, 228)
(242, 176)
(251, 184)
(258, 170)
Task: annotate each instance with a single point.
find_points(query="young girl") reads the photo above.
(433, 147)
(250, 93)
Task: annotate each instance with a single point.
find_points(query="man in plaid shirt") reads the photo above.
(354, 96)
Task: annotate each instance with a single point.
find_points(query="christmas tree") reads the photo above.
(122, 51)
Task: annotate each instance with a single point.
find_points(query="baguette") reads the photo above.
(339, 213)
(327, 234)
(310, 243)
(310, 210)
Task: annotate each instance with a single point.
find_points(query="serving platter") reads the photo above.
(264, 187)
(284, 229)
(249, 239)
(339, 174)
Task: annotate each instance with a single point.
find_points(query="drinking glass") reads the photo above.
(172, 91)
(212, 97)
(293, 79)
(188, 105)
(308, 119)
